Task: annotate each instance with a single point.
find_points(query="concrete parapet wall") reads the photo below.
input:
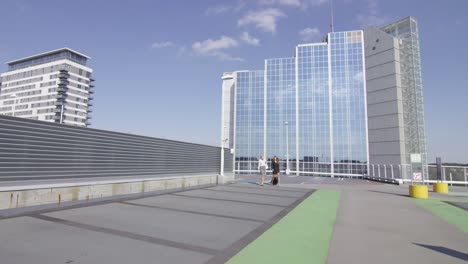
(32, 195)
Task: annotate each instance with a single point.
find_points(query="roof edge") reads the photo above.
(47, 53)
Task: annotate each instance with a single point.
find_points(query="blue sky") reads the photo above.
(158, 64)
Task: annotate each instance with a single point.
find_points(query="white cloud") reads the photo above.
(316, 2)
(294, 3)
(310, 34)
(247, 38)
(359, 76)
(264, 19)
(213, 48)
(217, 10)
(159, 45)
(209, 45)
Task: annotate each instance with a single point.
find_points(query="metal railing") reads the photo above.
(396, 173)
(453, 175)
(305, 168)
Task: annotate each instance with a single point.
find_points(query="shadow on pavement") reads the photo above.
(397, 194)
(463, 206)
(446, 251)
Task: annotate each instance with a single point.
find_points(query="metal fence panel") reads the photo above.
(31, 149)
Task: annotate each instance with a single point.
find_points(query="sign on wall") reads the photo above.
(416, 166)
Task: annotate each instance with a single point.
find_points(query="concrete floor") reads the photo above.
(196, 226)
(376, 223)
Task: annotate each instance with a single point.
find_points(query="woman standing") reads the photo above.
(276, 171)
(262, 167)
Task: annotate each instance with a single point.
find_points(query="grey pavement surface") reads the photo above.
(196, 226)
(376, 223)
(383, 225)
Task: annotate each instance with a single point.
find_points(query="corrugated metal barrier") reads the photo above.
(31, 149)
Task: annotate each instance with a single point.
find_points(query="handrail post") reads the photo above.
(465, 177)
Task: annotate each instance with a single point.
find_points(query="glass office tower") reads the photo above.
(309, 110)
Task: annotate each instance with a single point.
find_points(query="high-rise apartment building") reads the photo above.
(395, 94)
(55, 86)
(309, 110)
(334, 108)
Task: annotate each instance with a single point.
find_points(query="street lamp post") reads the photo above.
(222, 156)
(287, 147)
(223, 141)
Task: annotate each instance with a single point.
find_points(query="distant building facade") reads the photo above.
(334, 108)
(55, 86)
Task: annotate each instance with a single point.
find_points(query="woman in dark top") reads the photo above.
(276, 171)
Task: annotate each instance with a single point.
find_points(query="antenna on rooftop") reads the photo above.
(331, 17)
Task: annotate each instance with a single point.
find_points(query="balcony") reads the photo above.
(63, 76)
(63, 82)
(57, 117)
(62, 89)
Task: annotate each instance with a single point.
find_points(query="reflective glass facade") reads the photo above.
(280, 115)
(348, 101)
(249, 118)
(309, 110)
(314, 107)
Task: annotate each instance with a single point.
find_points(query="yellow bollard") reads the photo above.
(441, 187)
(418, 191)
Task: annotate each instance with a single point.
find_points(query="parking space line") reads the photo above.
(225, 200)
(54, 207)
(193, 212)
(130, 235)
(228, 191)
(282, 189)
(237, 246)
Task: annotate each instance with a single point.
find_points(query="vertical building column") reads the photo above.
(265, 90)
(330, 105)
(296, 66)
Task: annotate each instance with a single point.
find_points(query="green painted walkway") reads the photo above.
(303, 236)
